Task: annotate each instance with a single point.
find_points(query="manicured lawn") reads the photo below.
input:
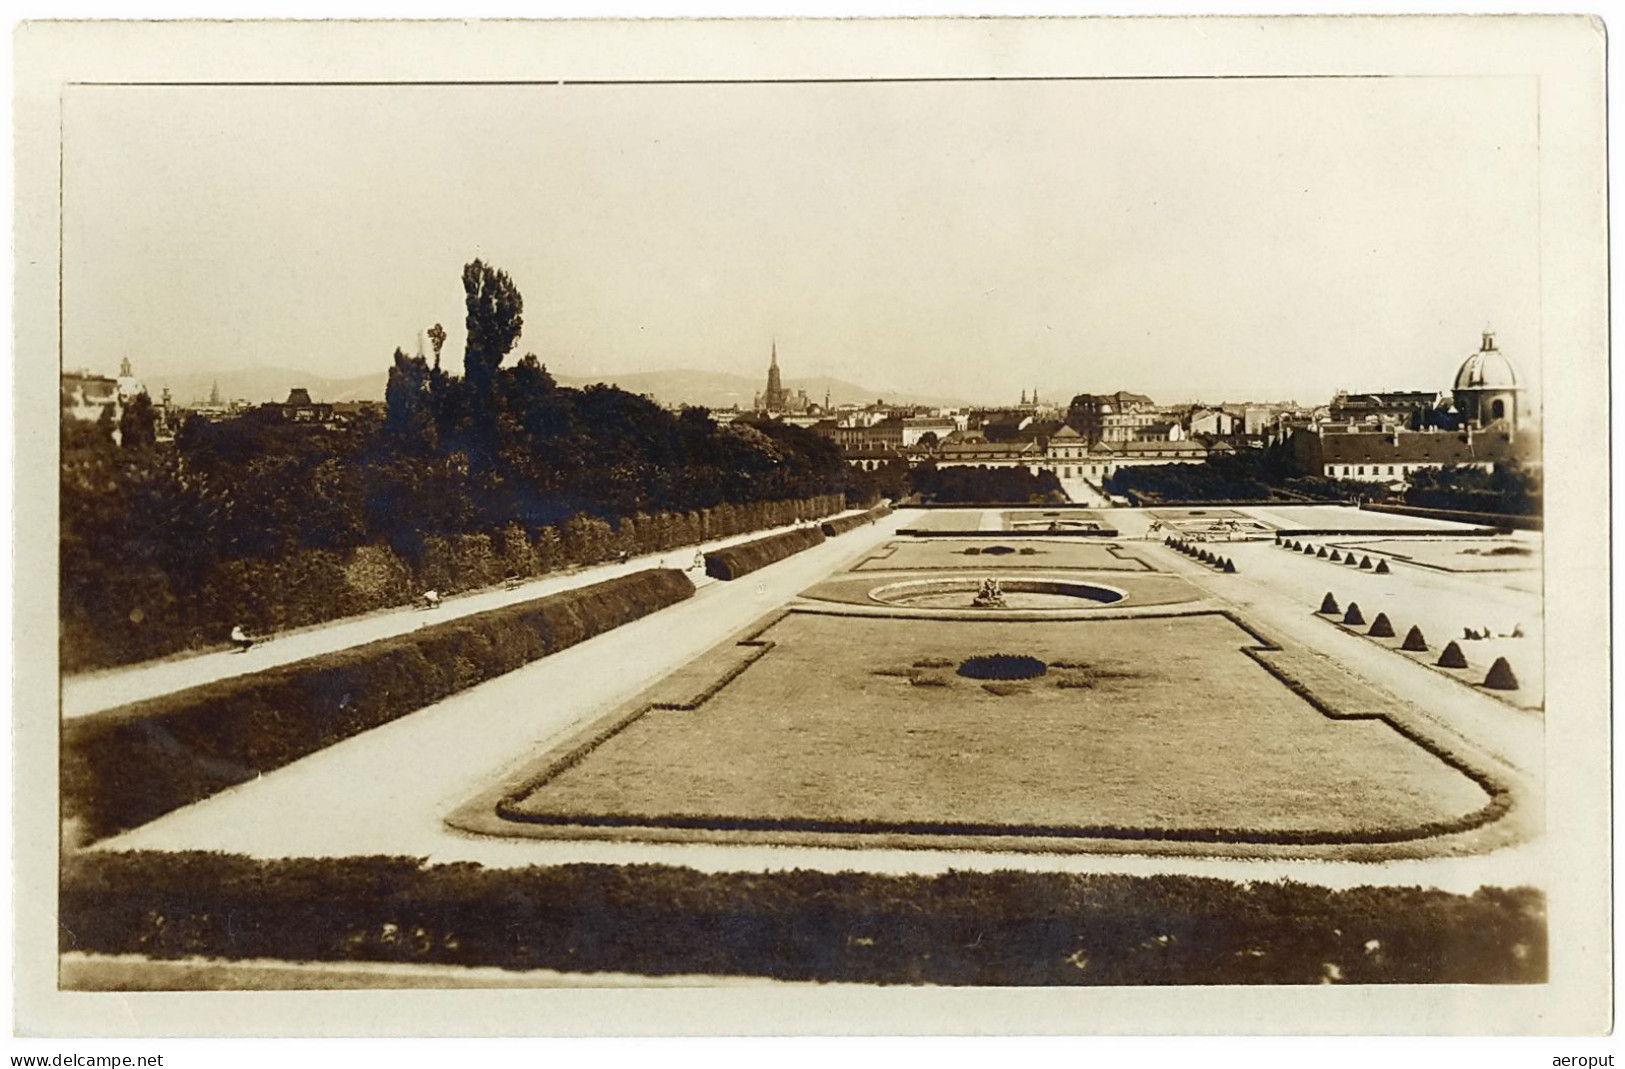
(943, 554)
(1343, 518)
(1172, 728)
(944, 520)
(1061, 519)
(1462, 554)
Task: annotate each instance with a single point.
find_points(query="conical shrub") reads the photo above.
(1414, 642)
(1382, 567)
(1307, 548)
(1328, 605)
(1365, 562)
(1349, 560)
(1297, 547)
(1452, 657)
(1380, 627)
(1336, 557)
(1500, 676)
(1322, 553)
(1229, 565)
(1352, 615)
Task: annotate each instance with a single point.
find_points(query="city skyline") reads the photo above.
(1186, 239)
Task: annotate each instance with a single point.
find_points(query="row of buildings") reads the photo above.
(92, 398)
(1382, 437)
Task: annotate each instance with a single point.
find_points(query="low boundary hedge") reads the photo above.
(996, 928)
(732, 562)
(130, 765)
(1493, 519)
(842, 524)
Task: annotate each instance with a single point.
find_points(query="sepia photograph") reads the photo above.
(777, 509)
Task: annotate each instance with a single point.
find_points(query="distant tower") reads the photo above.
(775, 386)
(124, 371)
(826, 398)
(1023, 396)
(214, 393)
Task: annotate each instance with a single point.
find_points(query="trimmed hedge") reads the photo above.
(842, 524)
(992, 929)
(735, 561)
(125, 767)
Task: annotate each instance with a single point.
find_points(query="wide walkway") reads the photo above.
(388, 791)
(93, 692)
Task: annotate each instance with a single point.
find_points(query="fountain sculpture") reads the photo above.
(990, 596)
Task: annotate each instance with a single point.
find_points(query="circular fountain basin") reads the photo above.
(960, 593)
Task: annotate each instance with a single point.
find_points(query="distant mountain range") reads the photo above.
(265, 384)
(713, 389)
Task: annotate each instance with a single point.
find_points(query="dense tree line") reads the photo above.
(147, 527)
(1510, 489)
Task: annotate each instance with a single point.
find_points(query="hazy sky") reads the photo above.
(1224, 239)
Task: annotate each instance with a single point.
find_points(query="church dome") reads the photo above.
(1487, 369)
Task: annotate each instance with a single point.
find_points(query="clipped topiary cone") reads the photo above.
(1297, 547)
(1380, 627)
(1452, 657)
(1328, 605)
(1336, 557)
(1307, 548)
(1500, 676)
(1352, 616)
(1229, 565)
(1382, 567)
(1414, 642)
(1365, 562)
(1322, 552)
(1350, 561)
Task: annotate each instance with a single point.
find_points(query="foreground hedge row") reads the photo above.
(126, 767)
(735, 561)
(135, 615)
(842, 524)
(1001, 928)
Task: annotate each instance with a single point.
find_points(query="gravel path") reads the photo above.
(93, 692)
